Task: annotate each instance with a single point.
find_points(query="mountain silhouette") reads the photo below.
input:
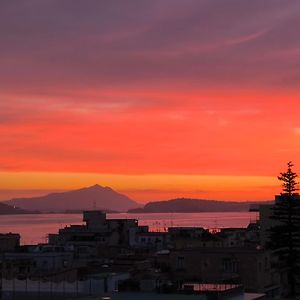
(195, 205)
(93, 197)
(8, 210)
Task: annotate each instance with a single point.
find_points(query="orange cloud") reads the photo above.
(147, 90)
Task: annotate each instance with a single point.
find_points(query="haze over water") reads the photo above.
(44, 224)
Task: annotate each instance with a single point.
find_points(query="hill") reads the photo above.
(77, 200)
(8, 210)
(184, 205)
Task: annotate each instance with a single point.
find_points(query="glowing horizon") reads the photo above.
(144, 188)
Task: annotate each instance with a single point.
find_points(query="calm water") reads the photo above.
(35, 228)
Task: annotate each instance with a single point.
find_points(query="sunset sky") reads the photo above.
(156, 99)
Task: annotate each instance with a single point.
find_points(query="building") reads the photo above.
(9, 241)
(152, 240)
(33, 260)
(98, 236)
(95, 251)
(95, 285)
(250, 267)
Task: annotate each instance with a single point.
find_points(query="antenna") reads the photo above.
(172, 223)
(214, 229)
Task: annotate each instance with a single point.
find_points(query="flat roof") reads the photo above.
(210, 287)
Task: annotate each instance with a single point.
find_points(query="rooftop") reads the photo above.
(209, 287)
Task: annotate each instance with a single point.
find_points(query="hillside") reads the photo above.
(194, 205)
(8, 210)
(83, 199)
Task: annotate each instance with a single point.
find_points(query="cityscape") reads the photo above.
(149, 150)
(117, 258)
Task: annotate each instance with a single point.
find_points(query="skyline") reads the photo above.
(156, 99)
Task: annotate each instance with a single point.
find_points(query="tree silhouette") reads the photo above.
(289, 181)
(285, 233)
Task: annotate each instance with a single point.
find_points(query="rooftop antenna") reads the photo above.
(215, 228)
(172, 223)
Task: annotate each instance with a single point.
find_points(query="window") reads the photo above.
(266, 264)
(180, 263)
(230, 265)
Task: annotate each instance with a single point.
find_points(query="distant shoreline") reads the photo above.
(183, 205)
(187, 212)
(130, 212)
(54, 213)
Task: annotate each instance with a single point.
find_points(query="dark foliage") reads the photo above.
(285, 234)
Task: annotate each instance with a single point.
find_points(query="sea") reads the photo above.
(36, 227)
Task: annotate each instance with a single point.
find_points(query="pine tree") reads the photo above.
(285, 234)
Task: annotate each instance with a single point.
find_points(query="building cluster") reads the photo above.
(120, 259)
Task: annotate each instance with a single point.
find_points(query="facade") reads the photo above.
(265, 213)
(33, 260)
(250, 267)
(9, 242)
(240, 237)
(99, 233)
(152, 240)
(39, 288)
